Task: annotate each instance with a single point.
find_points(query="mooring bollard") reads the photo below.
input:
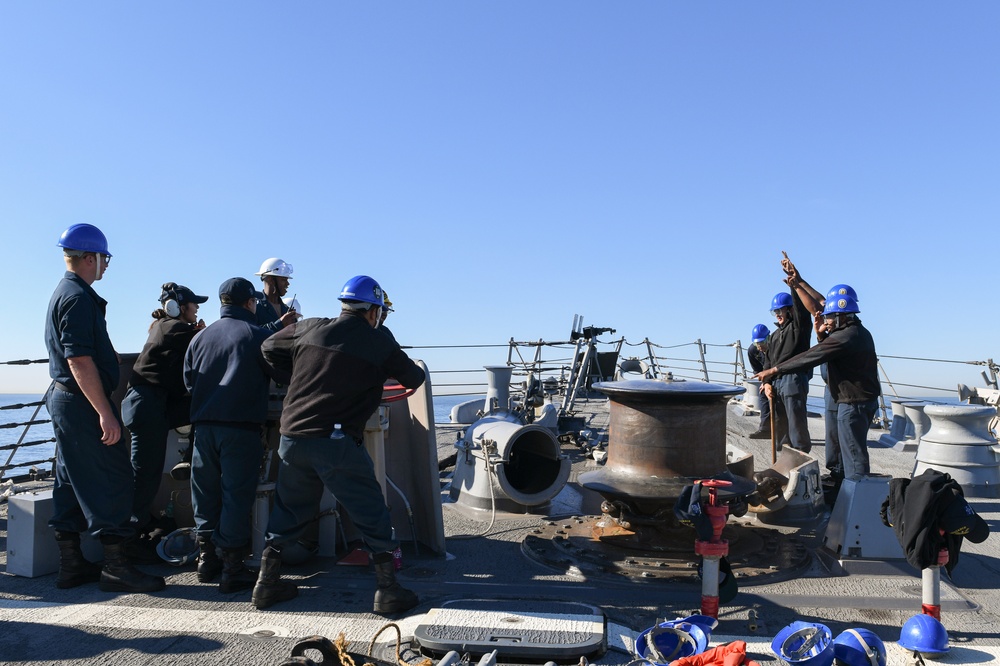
(897, 431)
(959, 443)
(917, 424)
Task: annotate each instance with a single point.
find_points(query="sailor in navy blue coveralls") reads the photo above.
(93, 483)
(226, 374)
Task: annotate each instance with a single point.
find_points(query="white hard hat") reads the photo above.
(275, 266)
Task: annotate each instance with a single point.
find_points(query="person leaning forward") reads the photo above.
(335, 370)
(93, 473)
(849, 352)
(157, 400)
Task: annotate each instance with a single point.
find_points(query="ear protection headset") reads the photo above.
(171, 306)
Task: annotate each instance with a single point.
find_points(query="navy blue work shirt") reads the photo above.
(266, 315)
(76, 327)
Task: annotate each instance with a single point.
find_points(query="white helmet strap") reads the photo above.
(811, 636)
(870, 651)
(683, 638)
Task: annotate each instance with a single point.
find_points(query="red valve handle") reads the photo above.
(406, 393)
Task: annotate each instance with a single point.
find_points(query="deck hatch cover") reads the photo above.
(523, 630)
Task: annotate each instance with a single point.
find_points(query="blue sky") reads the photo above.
(501, 166)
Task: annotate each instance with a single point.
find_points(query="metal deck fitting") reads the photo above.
(519, 630)
(758, 555)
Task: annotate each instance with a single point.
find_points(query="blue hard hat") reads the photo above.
(84, 238)
(667, 641)
(759, 333)
(924, 634)
(804, 643)
(842, 290)
(179, 547)
(362, 288)
(859, 647)
(841, 305)
(781, 300)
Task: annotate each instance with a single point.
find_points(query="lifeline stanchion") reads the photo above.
(714, 550)
(931, 586)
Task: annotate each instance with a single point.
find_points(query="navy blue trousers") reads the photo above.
(765, 413)
(144, 411)
(792, 426)
(853, 422)
(834, 461)
(225, 467)
(93, 481)
(309, 464)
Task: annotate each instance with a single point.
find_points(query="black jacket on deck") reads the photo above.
(335, 370)
(852, 365)
(916, 509)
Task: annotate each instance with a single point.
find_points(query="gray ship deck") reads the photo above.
(192, 623)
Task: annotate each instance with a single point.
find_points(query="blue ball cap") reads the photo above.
(236, 291)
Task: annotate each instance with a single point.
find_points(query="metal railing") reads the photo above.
(565, 369)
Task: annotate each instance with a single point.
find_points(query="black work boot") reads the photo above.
(270, 589)
(390, 597)
(209, 563)
(141, 551)
(118, 575)
(74, 568)
(235, 575)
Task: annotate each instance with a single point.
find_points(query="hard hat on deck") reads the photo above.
(667, 641)
(859, 647)
(924, 634)
(804, 644)
(179, 547)
(759, 333)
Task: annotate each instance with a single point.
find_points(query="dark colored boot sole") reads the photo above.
(153, 584)
(76, 580)
(209, 574)
(236, 584)
(394, 609)
(403, 601)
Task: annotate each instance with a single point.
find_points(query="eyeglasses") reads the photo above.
(84, 253)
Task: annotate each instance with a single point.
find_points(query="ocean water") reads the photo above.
(43, 433)
(35, 433)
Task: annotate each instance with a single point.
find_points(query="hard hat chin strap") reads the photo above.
(683, 638)
(811, 636)
(870, 651)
